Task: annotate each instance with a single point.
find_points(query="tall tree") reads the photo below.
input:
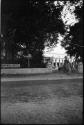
(73, 41)
(31, 20)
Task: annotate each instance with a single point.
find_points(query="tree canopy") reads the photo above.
(73, 41)
(32, 22)
(28, 21)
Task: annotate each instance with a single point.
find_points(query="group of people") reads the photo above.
(69, 66)
(65, 65)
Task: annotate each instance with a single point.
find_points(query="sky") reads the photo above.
(69, 19)
(57, 51)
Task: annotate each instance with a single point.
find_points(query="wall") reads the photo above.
(25, 71)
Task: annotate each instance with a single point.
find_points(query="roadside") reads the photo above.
(50, 76)
(22, 72)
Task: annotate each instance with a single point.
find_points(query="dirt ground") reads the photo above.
(42, 102)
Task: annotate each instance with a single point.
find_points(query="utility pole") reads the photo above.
(28, 62)
(29, 56)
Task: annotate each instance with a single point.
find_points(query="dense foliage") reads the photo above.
(30, 23)
(74, 38)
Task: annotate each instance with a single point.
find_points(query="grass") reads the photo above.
(42, 102)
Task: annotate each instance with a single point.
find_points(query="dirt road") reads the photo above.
(42, 101)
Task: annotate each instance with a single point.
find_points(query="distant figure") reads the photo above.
(75, 66)
(66, 60)
(66, 65)
(58, 64)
